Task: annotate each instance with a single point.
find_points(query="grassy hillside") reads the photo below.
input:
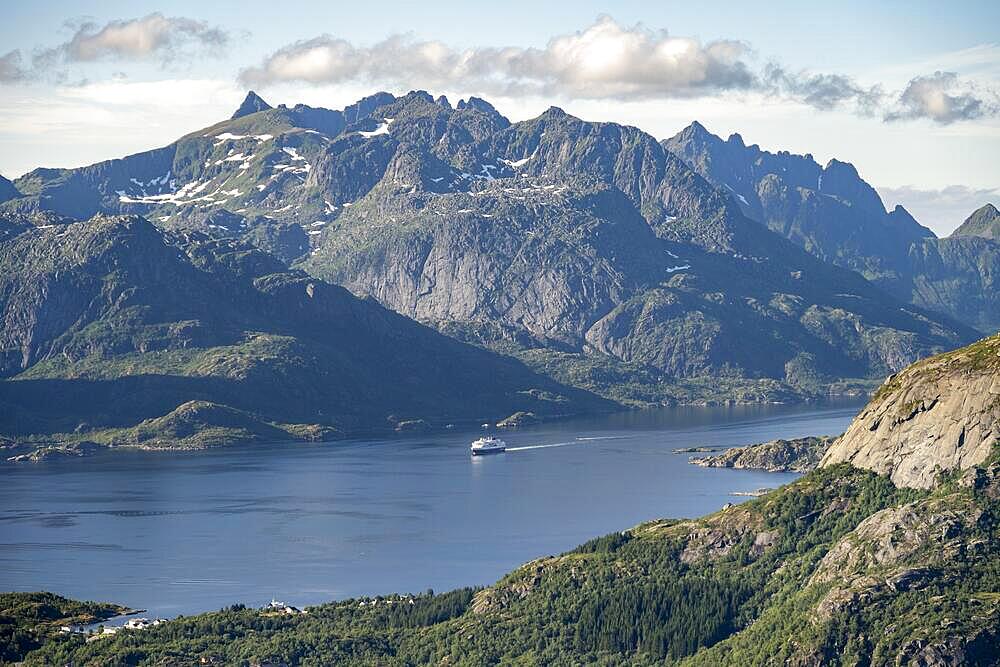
(118, 333)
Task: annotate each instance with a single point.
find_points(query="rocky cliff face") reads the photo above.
(7, 190)
(984, 222)
(958, 275)
(834, 214)
(590, 238)
(111, 323)
(937, 415)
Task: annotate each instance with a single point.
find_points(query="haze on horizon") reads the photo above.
(907, 95)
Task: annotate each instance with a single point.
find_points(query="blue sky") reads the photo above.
(821, 78)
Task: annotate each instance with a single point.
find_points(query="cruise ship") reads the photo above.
(488, 445)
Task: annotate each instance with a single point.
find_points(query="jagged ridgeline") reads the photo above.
(834, 214)
(587, 250)
(842, 567)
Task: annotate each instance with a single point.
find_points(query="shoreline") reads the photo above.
(31, 449)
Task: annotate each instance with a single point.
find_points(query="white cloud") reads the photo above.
(823, 91)
(605, 60)
(943, 98)
(152, 36)
(944, 209)
(11, 67)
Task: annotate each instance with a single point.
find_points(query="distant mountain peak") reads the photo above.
(477, 103)
(421, 95)
(984, 221)
(902, 217)
(7, 190)
(835, 165)
(252, 103)
(697, 137)
(558, 115)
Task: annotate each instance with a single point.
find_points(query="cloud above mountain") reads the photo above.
(153, 37)
(943, 98)
(605, 60)
(822, 91)
(608, 60)
(12, 67)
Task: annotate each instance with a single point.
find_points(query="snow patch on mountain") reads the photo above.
(383, 128)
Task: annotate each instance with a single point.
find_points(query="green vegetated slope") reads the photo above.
(117, 332)
(842, 567)
(29, 620)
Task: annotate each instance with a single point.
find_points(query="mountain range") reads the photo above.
(834, 214)
(591, 252)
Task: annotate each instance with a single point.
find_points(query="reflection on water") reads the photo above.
(180, 533)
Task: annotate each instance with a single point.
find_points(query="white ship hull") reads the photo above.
(485, 446)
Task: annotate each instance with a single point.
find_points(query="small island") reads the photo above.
(796, 455)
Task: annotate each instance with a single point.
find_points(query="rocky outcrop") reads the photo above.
(904, 543)
(252, 103)
(937, 415)
(7, 190)
(50, 452)
(984, 222)
(520, 418)
(796, 455)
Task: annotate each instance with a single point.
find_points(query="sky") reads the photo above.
(908, 93)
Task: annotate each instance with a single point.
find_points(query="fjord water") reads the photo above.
(177, 533)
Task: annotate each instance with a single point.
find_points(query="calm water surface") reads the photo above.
(182, 533)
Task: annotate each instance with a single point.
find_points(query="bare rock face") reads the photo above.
(939, 414)
(796, 455)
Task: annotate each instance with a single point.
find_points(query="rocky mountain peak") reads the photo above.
(984, 221)
(900, 216)
(418, 95)
(939, 414)
(554, 113)
(365, 106)
(252, 103)
(696, 134)
(7, 190)
(841, 179)
(477, 103)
